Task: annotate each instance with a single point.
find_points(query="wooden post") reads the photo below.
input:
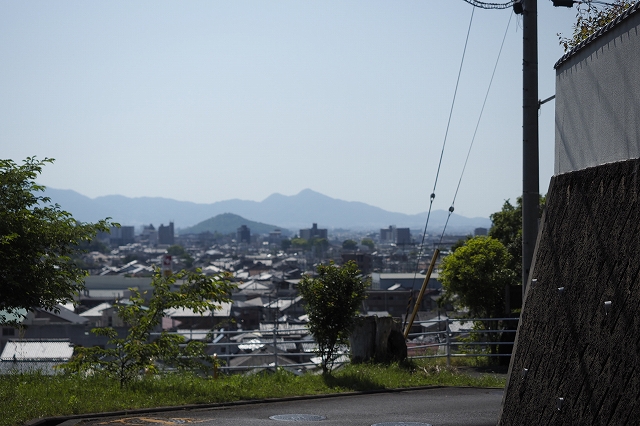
(422, 290)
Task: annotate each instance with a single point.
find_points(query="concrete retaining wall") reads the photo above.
(577, 354)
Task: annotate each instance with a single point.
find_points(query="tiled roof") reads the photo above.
(623, 16)
(37, 350)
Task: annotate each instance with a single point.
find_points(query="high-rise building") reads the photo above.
(122, 235)
(313, 232)
(275, 236)
(394, 235)
(480, 231)
(166, 234)
(149, 235)
(403, 236)
(243, 234)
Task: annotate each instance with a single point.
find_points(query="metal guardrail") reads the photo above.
(450, 341)
(278, 349)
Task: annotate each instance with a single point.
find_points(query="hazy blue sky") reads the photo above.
(211, 100)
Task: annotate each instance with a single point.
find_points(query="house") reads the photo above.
(363, 260)
(110, 288)
(189, 319)
(394, 301)
(95, 315)
(384, 280)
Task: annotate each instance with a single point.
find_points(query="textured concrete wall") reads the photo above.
(575, 362)
(377, 339)
(597, 98)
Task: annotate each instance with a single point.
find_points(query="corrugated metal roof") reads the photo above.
(225, 311)
(283, 304)
(197, 334)
(37, 350)
(625, 15)
(253, 285)
(65, 314)
(116, 282)
(256, 301)
(97, 311)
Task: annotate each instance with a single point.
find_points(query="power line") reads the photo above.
(444, 143)
(483, 5)
(435, 184)
(486, 96)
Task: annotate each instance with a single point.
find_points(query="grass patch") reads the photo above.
(28, 396)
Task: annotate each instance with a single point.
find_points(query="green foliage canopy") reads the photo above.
(38, 241)
(590, 17)
(349, 245)
(300, 243)
(369, 243)
(181, 253)
(136, 353)
(285, 244)
(507, 228)
(332, 299)
(475, 276)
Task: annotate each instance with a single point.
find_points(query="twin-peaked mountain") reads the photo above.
(290, 212)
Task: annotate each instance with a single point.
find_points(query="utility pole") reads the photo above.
(530, 160)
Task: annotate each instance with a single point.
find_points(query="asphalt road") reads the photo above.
(435, 406)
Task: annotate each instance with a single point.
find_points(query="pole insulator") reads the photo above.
(518, 8)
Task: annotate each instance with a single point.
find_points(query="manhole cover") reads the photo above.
(401, 424)
(298, 417)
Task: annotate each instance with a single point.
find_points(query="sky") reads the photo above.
(206, 101)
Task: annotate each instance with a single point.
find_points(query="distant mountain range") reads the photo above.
(288, 212)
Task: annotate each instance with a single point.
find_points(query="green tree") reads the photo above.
(460, 243)
(507, 228)
(176, 250)
(349, 245)
(369, 243)
(590, 17)
(475, 275)
(38, 242)
(332, 302)
(95, 245)
(300, 243)
(285, 244)
(321, 245)
(182, 254)
(475, 278)
(138, 352)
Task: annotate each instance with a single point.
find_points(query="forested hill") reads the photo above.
(228, 223)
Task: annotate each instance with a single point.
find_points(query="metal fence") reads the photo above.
(450, 338)
(292, 347)
(453, 338)
(269, 347)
